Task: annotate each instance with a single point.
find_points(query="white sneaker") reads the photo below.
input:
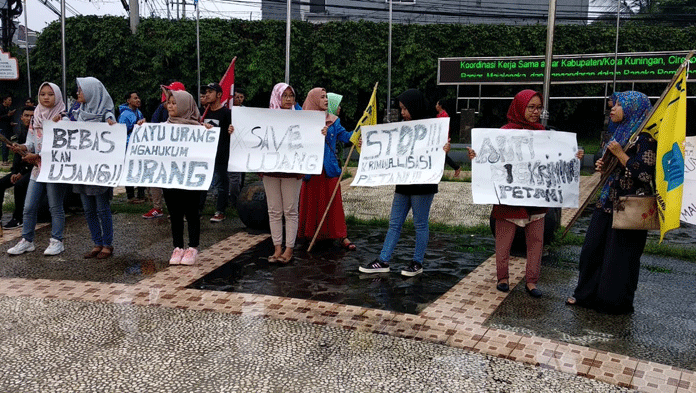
(189, 257)
(21, 247)
(55, 247)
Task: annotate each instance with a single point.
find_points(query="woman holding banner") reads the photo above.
(610, 258)
(183, 203)
(418, 197)
(524, 114)
(96, 106)
(316, 192)
(50, 108)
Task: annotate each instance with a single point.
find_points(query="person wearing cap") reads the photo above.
(130, 115)
(218, 115)
(161, 115)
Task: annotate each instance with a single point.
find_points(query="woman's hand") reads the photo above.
(230, 129)
(360, 141)
(207, 125)
(447, 146)
(615, 148)
(15, 178)
(17, 148)
(32, 158)
(56, 118)
(472, 153)
(140, 122)
(599, 165)
(110, 121)
(324, 130)
(580, 154)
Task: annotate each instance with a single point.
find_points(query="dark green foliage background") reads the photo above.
(346, 58)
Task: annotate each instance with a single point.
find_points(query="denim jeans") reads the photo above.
(421, 212)
(55, 193)
(98, 215)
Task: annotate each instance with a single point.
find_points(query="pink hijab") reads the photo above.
(277, 95)
(312, 103)
(42, 113)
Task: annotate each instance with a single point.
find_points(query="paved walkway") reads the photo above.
(157, 335)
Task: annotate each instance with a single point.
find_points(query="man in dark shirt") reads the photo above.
(19, 174)
(6, 116)
(219, 116)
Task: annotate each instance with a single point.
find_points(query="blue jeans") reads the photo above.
(421, 212)
(98, 215)
(55, 193)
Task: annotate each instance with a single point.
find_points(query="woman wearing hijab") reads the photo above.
(524, 114)
(316, 192)
(418, 197)
(610, 258)
(51, 107)
(183, 203)
(96, 106)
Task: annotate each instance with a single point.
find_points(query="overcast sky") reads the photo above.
(39, 15)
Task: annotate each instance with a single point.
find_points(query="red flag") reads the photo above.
(227, 84)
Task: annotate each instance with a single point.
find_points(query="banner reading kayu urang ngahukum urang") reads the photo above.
(525, 168)
(409, 152)
(82, 153)
(169, 155)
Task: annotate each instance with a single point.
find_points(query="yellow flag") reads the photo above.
(369, 118)
(668, 126)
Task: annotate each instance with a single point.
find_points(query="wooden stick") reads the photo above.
(611, 159)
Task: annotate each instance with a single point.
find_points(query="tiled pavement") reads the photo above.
(456, 319)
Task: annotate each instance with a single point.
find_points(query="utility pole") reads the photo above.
(134, 15)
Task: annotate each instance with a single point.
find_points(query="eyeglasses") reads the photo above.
(288, 96)
(533, 108)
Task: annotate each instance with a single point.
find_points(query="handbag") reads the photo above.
(637, 212)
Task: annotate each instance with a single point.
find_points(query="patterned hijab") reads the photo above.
(98, 105)
(636, 107)
(611, 127)
(43, 113)
(187, 111)
(313, 103)
(334, 102)
(277, 96)
(518, 107)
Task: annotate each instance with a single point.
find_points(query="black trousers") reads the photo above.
(20, 193)
(183, 203)
(609, 266)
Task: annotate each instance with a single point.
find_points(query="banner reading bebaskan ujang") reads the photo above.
(82, 153)
(276, 140)
(169, 155)
(525, 168)
(688, 213)
(409, 152)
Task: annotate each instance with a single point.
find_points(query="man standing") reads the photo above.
(236, 179)
(6, 115)
(19, 174)
(130, 116)
(239, 97)
(218, 116)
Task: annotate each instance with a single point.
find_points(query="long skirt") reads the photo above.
(609, 266)
(314, 197)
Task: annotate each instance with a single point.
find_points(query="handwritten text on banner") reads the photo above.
(276, 140)
(408, 152)
(171, 156)
(525, 168)
(82, 153)
(688, 213)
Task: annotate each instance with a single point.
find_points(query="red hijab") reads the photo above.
(515, 114)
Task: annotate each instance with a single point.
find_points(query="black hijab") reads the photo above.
(414, 101)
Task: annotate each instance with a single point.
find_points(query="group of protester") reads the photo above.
(609, 261)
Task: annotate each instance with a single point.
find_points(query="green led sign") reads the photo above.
(590, 68)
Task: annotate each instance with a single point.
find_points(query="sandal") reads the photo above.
(93, 254)
(273, 259)
(348, 246)
(284, 261)
(105, 252)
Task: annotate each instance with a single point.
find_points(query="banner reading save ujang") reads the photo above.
(276, 140)
(688, 211)
(169, 155)
(409, 152)
(82, 153)
(525, 168)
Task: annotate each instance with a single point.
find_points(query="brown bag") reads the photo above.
(636, 212)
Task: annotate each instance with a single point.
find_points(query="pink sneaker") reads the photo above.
(176, 256)
(190, 256)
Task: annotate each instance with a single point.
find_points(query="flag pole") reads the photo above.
(611, 159)
(333, 195)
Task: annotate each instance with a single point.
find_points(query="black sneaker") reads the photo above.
(13, 224)
(375, 267)
(413, 270)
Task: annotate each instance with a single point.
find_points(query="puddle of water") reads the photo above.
(331, 274)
